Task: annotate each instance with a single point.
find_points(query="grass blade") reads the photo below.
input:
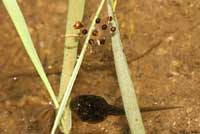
(75, 13)
(125, 83)
(21, 27)
(75, 71)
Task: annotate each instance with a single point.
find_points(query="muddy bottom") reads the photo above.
(163, 54)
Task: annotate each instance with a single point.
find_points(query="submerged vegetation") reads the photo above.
(71, 64)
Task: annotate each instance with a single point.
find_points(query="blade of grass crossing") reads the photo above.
(71, 44)
(75, 13)
(75, 71)
(125, 83)
(21, 27)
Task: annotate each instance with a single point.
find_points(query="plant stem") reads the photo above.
(75, 71)
(75, 13)
(125, 83)
(22, 29)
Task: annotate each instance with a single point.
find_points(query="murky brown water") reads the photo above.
(163, 55)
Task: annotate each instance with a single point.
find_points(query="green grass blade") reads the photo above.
(75, 71)
(125, 83)
(21, 27)
(75, 13)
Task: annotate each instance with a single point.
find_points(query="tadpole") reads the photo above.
(94, 109)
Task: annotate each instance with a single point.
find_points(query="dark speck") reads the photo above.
(104, 27)
(91, 41)
(95, 32)
(98, 20)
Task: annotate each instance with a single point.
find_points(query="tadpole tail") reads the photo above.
(113, 110)
(158, 108)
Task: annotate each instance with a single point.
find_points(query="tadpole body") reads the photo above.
(91, 108)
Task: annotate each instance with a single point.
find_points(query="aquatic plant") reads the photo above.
(125, 83)
(75, 71)
(22, 29)
(69, 72)
(70, 55)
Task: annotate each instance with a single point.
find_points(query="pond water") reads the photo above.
(162, 50)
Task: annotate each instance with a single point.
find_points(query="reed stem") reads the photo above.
(129, 98)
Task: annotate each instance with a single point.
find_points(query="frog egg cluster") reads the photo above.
(97, 36)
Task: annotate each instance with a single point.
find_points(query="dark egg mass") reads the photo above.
(91, 108)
